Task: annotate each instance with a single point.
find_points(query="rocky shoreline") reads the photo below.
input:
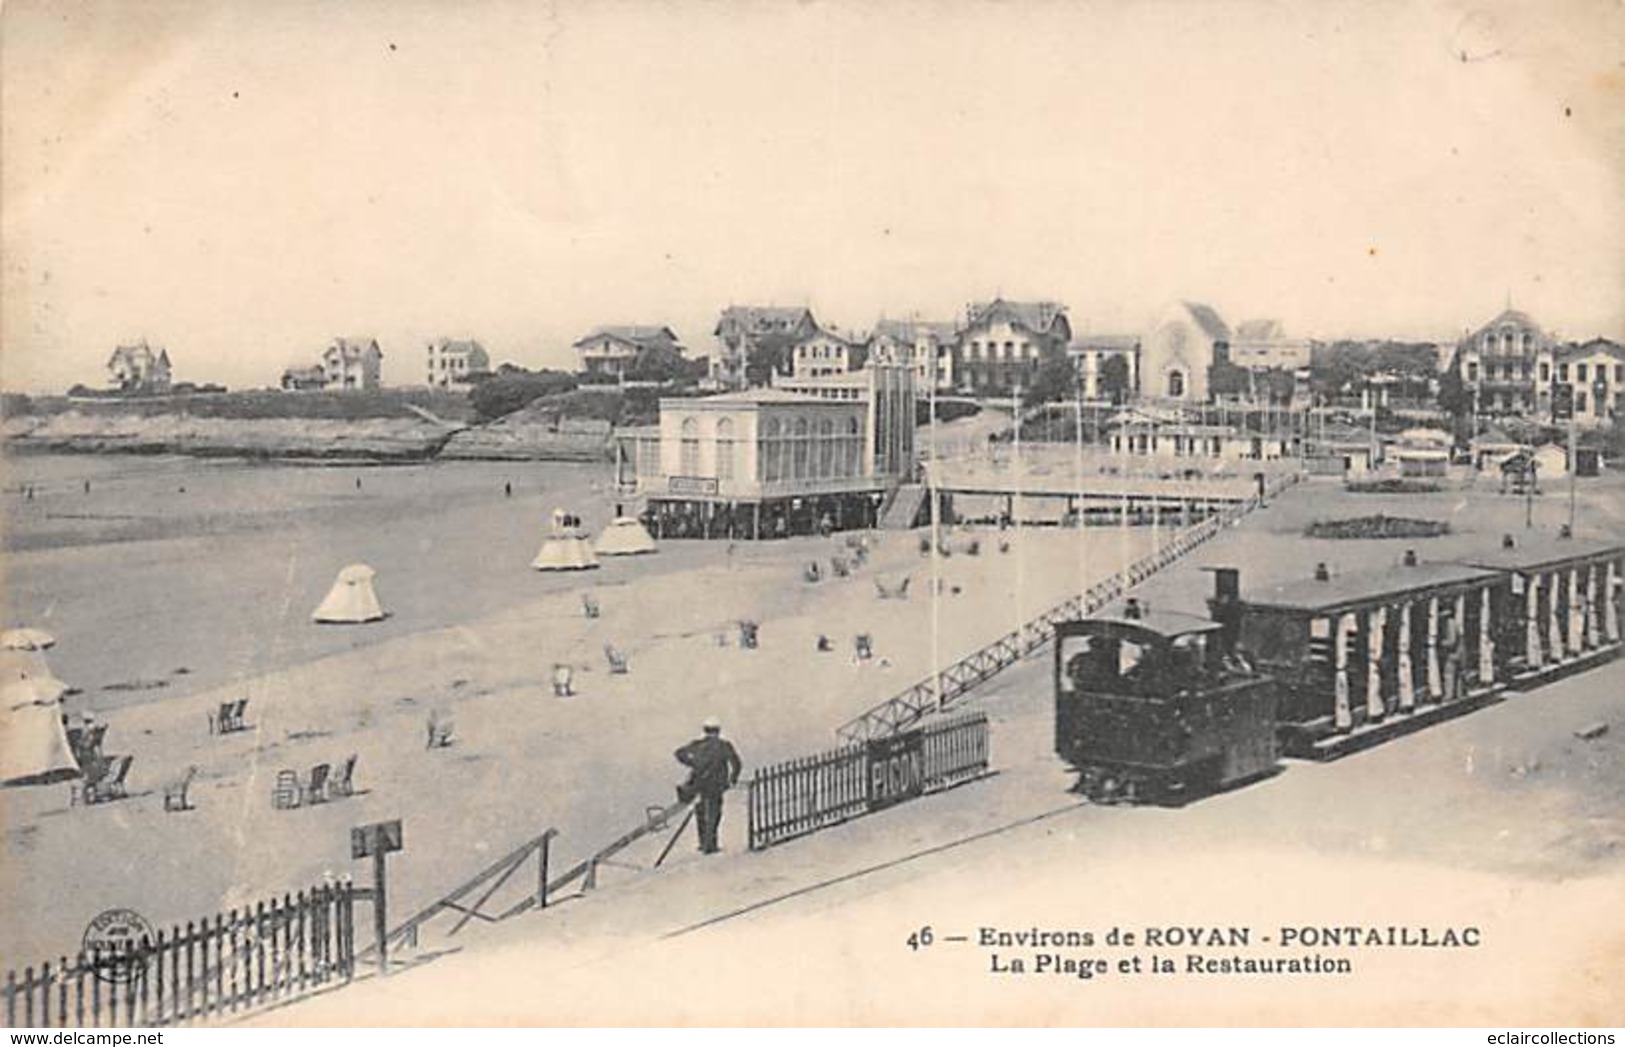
(317, 439)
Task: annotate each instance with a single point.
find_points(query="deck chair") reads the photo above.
(441, 729)
(114, 786)
(748, 633)
(897, 592)
(812, 573)
(863, 646)
(238, 719)
(90, 744)
(589, 605)
(176, 793)
(343, 783)
(563, 680)
(219, 721)
(839, 567)
(315, 791)
(616, 659)
(285, 794)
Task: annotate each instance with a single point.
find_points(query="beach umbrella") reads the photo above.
(26, 639)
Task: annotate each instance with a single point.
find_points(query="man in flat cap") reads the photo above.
(713, 767)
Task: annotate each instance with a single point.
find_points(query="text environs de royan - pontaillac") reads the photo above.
(1038, 950)
(1350, 936)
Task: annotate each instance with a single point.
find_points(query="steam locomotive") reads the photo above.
(1164, 707)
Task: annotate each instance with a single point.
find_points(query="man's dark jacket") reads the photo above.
(714, 762)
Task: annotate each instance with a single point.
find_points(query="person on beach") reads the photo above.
(714, 768)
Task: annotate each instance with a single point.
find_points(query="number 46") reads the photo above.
(920, 939)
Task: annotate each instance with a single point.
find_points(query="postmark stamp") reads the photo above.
(114, 943)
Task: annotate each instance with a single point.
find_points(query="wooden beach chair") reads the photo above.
(219, 718)
(812, 572)
(616, 659)
(87, 746)
(897, 592)
(114, 785)
(177, 793)
(863, 646)
(285, 794)
(563, 680)
(440, 729)
(748, 633)
(315, 791)
(343, 783)
(839, 567)
(589, 605)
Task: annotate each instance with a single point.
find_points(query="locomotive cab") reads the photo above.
(1159, 708)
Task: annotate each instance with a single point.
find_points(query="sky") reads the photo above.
(240, 182)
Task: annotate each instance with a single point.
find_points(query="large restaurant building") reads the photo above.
(765, 463)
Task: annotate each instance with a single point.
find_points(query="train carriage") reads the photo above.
(1365, 656)
(1557, 606)
(1156, 707)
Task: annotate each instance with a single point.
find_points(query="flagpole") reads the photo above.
(1015, 512)
(1083, 569)
(936, 538)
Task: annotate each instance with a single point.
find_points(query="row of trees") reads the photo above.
(1057, 379)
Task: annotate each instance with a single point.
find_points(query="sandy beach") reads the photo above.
(221, 580)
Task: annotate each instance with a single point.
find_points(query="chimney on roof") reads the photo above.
(1410, 558)
(1321, 573)
(1131, 609)
(1507, 542)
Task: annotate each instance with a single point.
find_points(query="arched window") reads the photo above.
(690, 458)
(826, 447)
(725, 449)
(852, 448)
(1176, 383)
(801, 451)
(767, 454)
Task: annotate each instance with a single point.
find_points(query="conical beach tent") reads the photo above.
(21, 665)
(625, 536)
(352, 598)
(565, 549)
(33, 747)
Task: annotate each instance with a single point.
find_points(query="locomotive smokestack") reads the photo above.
(1321, 573)
(1410, 558)
(1131, 609)
(1224, 606)
(1507, 542)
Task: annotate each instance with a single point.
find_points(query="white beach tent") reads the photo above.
(625, 536)
(352, 598)
(565, 549)
(33, 746)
